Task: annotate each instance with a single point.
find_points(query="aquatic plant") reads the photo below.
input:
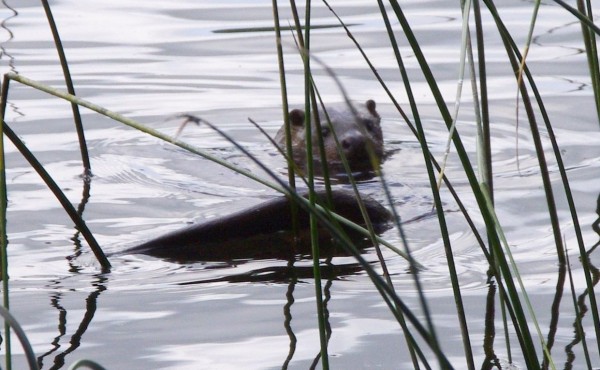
(518, 313)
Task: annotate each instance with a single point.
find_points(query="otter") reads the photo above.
(263, 231)
(358, 131)
(260, 232)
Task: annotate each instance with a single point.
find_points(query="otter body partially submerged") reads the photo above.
(263, 231)
(257, 232)
(358, 131)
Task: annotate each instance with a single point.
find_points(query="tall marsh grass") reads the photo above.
(531, 347)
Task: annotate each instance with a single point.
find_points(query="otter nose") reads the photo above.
(354, 146)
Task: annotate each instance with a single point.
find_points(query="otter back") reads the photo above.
(258, 232)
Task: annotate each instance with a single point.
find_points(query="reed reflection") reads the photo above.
(326, 299)
(5, 54)
(291, 273)
(491, 360)
(99, 285)
(287, 314)
(91, 304)
(579, 303)
(581, 308)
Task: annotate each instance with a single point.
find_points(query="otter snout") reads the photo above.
(354, 145)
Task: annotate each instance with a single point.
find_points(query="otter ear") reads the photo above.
(370, 104)
(297, 117)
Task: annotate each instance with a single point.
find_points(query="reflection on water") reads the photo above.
(78, 250)
(596, 227)
(4, 52)
(151, 60)
(291, 275)
(284, 274)
(91, 304)
(492, 361)
(581, 307)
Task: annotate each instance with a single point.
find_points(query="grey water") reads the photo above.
(152, 60)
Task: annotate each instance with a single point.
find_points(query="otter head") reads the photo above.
(358, 132)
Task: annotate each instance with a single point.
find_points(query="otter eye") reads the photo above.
(324, 131)
(369, 125)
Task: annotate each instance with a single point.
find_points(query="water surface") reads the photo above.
(152, 60)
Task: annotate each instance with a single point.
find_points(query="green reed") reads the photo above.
(588, 31)
(520, 309)
(13, 323)
(515, 302)
(324, 216)
(70, 88)
(318, 213)
(3, 234)
(567, 191)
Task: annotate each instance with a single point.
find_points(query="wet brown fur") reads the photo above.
(358, 130)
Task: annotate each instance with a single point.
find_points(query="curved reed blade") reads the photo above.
(435, 192)
(69, 82)
(413, 348)
(589, 31)
(308, 96)
(64, 201)
(581, 16)
(534, 16)
(484, 120)
(584, 257)
(481, 194)
(13, 323)
(286, 115)
(3, 233)
(465, 39)
(68, 207)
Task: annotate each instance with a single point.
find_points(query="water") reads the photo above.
(151, 60)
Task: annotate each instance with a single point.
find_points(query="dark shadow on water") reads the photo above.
(288, 274)
(596, 227)
(491, 360)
